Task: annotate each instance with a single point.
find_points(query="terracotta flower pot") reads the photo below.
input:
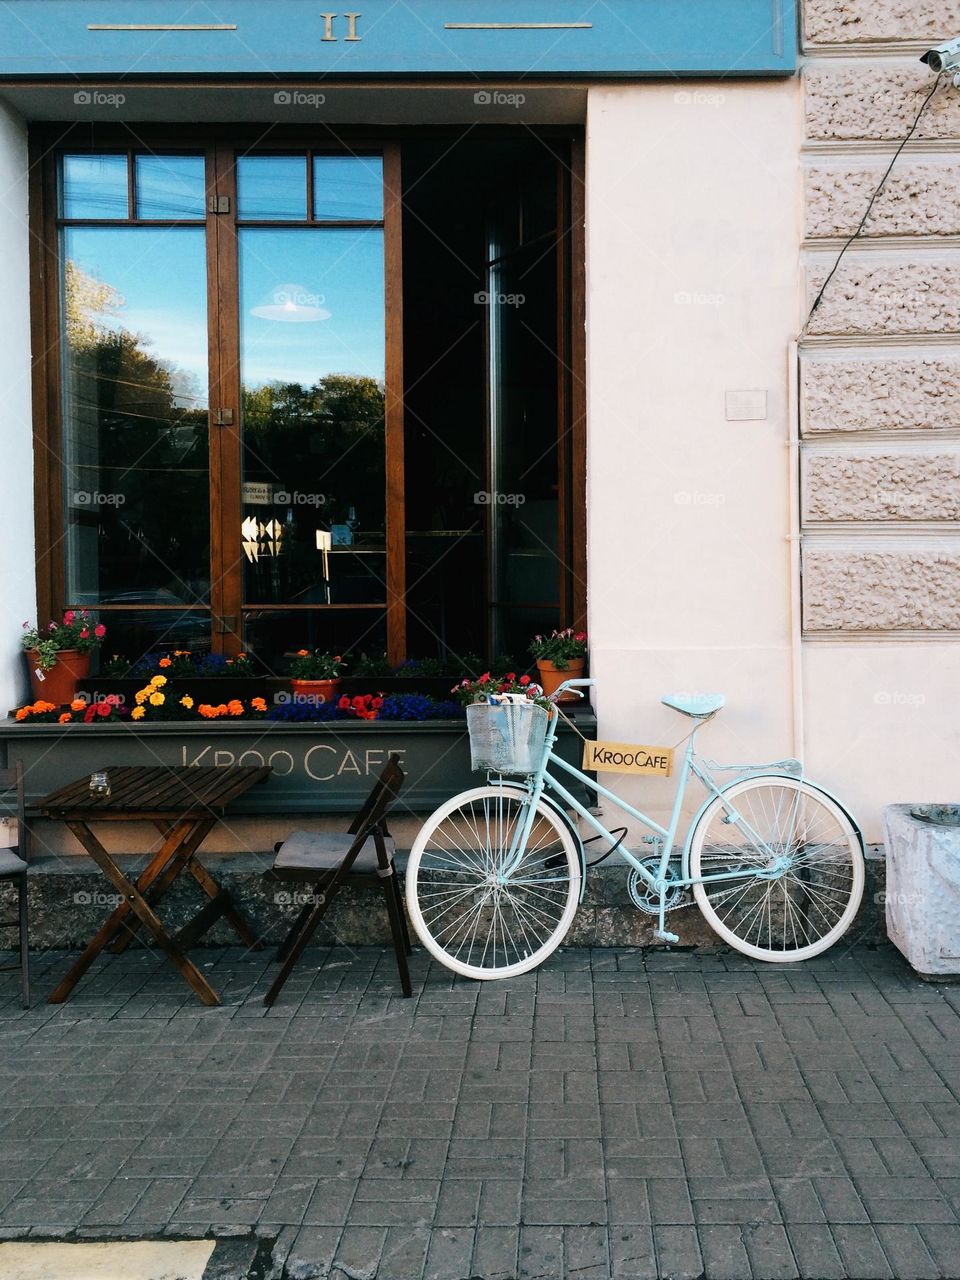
(316, 690)
(552, 677)
(59, 684)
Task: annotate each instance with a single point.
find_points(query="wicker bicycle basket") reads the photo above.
(507, 738)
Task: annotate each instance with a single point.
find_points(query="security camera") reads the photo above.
(943, 57)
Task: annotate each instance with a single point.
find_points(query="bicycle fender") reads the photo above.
(565, 819)
(685, 864)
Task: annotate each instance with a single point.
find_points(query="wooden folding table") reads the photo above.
(184, 804)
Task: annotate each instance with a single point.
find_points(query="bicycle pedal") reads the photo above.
(665, 935)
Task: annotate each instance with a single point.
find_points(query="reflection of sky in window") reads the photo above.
(338, 271)
(160, 276)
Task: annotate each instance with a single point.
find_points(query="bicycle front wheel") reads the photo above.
(799, 912)
(464, 915)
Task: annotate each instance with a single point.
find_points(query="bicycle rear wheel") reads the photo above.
(463, 915)
(805, 909)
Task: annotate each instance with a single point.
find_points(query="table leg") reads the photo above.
(141, 907)
(193, 834)
(213, 889)
(115, 921)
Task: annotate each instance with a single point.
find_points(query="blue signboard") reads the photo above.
(449, 38)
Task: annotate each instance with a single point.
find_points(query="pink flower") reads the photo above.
(581, 636)
(69, 616)
(85, 633)
(100, 630)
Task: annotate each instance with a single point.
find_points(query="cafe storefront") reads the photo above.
(408, 331)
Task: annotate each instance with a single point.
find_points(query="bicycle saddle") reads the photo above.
(694, 704)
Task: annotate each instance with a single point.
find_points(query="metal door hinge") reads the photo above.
(218, 204)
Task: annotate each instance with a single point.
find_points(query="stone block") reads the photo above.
(879, 393)
(862, 21)
(879, 590)
(893, 295)
(880, 486)
(876, 100)
(920, 198)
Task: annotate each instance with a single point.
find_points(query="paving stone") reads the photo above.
(815, 1251)
(724, 1254)
(632, 1255)
(678, 1253)
(495, 1252)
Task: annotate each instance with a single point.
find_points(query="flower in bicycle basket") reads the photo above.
(470, 691)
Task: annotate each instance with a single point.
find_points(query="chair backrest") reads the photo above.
(369, 819)
(385, 791)
(13, 804)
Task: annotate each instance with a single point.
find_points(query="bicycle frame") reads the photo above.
(543, 780)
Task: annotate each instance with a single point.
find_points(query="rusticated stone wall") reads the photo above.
(880, 358)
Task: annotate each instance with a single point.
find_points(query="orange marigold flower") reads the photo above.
(78, 704)
(186, 701)
(258, 704)
(165, 662)
(235, 707)
(22, 713)
(65, 718)
(303, 653)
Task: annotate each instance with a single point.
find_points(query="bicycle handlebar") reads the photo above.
(574, 686)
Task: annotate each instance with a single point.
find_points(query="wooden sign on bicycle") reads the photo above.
(626, 757)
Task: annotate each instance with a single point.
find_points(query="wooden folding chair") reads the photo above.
(13, 866)
(361, 857)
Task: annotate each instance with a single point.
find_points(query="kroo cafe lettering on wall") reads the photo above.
(320, 762)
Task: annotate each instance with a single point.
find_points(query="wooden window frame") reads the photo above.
(47, 142)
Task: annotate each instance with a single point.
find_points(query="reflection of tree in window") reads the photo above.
(325, 443)
(136, 432)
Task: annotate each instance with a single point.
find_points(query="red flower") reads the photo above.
(113, 699)
(104, 708)
(344, 703)
(100, 630)
(524, 679)
(90, 712)
(85, 633)
(484, 678)
(69, 616)
(376, 703)
(581, 636)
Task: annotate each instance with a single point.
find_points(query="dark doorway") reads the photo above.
(485, 264)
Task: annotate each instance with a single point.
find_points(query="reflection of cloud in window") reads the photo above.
(292, 304)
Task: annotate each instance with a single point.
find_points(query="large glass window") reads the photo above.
(310, 398)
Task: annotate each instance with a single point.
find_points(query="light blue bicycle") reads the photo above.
(495, 875)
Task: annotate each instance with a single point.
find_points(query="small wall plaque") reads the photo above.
(746, 406)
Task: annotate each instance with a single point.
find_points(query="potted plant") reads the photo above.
(316, 676)
(59, 655)
(562, 655)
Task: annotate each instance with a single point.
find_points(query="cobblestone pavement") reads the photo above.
(616, 1114)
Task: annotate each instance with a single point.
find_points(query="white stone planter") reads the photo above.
(923, 887)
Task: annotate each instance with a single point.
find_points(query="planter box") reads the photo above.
(316, 767)
(923, 889)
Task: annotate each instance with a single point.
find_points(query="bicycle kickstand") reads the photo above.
(660, 932)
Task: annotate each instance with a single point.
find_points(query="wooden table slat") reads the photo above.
(160, 791)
